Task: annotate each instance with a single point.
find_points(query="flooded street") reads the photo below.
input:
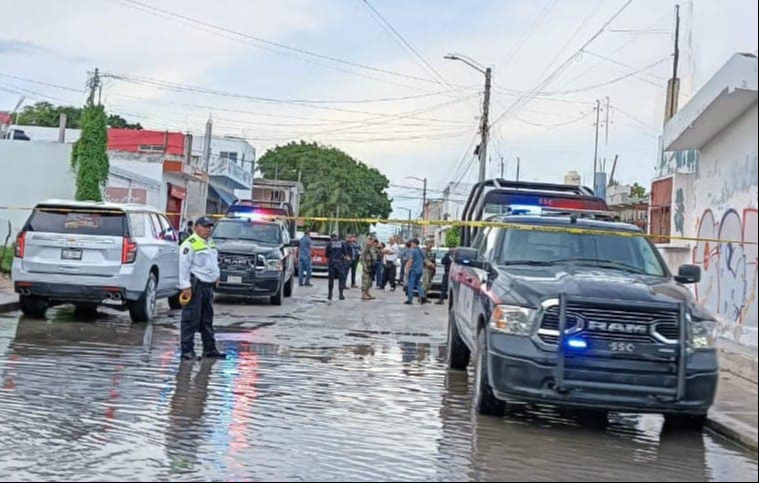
(350, 392)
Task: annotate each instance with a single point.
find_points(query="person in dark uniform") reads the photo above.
(447, 262)
(338, 253)
(199, 274)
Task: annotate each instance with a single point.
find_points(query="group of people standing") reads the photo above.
(418, 267)
(379, 266)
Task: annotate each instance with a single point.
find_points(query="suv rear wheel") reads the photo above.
(32, 306)
(143, 310)
(485, 402)
(459, 354)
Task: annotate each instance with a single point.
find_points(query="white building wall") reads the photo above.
(32, 172)
(719, 202)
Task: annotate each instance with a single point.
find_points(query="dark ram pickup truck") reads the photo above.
(256, 257)
(581, 313)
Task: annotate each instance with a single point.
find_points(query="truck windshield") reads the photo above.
(630, 254)
(244, 230)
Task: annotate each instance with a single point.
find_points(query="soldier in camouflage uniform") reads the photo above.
(369, 255)
(430, 266)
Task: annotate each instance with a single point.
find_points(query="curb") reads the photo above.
(734, 430)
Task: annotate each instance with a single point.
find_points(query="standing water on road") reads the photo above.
(305, 395)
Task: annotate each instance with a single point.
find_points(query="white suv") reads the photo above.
(90, 254)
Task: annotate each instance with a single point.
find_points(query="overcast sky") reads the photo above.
(407, 111)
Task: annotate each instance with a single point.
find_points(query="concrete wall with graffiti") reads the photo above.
(719, 202)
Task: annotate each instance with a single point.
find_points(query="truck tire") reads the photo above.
(279, 299)
(485, 402)
(459, 354)
(34, 307)
(289, 287)
(685, 422)
(143, 310)
(174, 303)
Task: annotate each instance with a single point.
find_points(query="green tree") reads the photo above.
(118, 122)
(89, 158)
(453, 237)
(331, 179)
(638, 191)
(45, 114)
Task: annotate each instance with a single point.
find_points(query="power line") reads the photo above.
(559, 70)
(183, 88)
(406, 43)
(610, 81)
(547, 9)
(559, 124)
(275, 47)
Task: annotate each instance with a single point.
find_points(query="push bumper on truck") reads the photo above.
(584, 373)
(250, 284)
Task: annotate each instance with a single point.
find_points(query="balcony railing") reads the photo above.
(224, 168)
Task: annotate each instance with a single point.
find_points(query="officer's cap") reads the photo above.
(205, 221)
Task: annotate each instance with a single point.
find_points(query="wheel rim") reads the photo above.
(151, 298)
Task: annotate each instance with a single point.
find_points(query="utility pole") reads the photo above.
(673, 88)
(595, 157)
(206, 164)
(608, 118)
(503, 168)
(485, 124)
(519, 169)
(95, 84)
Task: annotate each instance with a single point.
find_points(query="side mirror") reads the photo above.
(469, 257)
(689, 275)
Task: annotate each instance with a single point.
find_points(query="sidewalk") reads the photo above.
(735, 414)
(8, 299)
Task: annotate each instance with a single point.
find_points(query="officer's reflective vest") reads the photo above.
(198, 244)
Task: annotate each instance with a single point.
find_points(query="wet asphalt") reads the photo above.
(311, 392)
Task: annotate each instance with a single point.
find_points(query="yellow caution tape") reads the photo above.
(441, 223)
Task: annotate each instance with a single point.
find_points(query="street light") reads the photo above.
(485, 126)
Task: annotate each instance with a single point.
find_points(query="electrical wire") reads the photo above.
(384, 22)
(276, 47)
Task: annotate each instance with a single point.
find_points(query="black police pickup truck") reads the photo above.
(573, 311)
(256, 257)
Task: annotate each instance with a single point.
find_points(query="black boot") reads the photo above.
(342, 296)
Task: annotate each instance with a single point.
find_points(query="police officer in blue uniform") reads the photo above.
(338, 253)
(199, 274)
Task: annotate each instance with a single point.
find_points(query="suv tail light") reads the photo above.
(129, 251)
(21, 245)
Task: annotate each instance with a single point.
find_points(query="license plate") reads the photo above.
(623, 348)
(71, 255)
(318, 259)
(234, 280)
